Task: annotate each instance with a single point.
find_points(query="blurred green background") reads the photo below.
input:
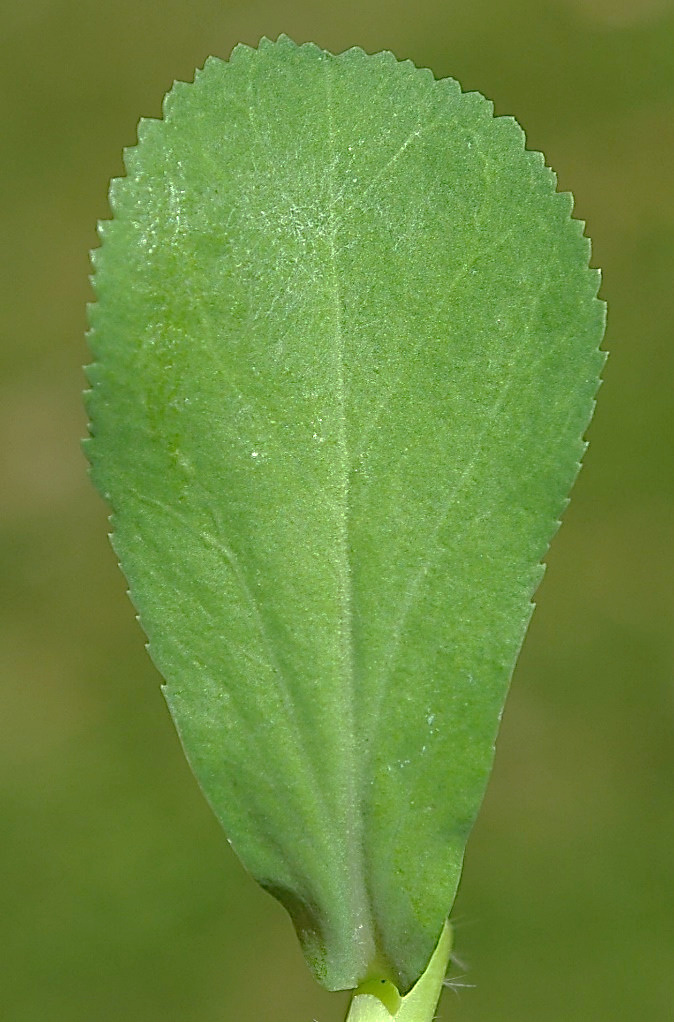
(119, 897)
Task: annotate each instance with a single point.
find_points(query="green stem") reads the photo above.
(418, 1005)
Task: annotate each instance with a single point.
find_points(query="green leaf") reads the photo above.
(346, 346)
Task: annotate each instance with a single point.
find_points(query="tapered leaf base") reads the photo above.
(417, 1006)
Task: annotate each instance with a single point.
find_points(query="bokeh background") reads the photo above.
(119, 897)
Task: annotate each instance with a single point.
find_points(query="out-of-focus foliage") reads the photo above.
(119, 896)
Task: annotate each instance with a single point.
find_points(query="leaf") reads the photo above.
(346, 346)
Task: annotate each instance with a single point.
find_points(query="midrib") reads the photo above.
(352, 805)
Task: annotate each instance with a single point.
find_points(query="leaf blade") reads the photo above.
(350, 302)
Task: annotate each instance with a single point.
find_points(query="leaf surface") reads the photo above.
(345, 349)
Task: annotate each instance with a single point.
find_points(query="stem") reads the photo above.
(418, 1005)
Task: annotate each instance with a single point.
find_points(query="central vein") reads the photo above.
(352, 804)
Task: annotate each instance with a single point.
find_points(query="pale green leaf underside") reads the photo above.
(346, 346)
